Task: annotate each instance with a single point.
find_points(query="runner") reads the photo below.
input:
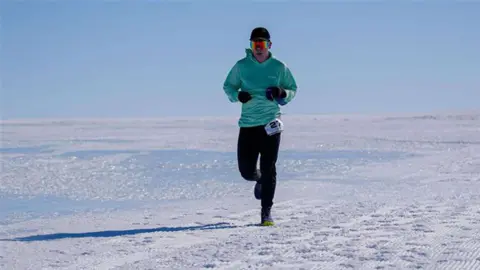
(262, 83)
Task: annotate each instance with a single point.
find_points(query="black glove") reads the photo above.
(275, 92)
(244, 97)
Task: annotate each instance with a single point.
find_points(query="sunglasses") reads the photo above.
(262, 44)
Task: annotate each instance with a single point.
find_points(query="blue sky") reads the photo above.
(170, 58)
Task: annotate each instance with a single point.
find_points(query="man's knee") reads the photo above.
(250, 175)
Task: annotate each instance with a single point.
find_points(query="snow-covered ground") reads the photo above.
(354, 192)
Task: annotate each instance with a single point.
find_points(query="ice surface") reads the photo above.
(354, 192)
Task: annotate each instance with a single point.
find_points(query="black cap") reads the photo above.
(260, 33)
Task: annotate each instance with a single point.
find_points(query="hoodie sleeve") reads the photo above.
(289, 84)
(232, 83)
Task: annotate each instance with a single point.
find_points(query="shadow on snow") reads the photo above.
(57, 236)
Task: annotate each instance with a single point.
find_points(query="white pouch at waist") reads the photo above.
(273, 127)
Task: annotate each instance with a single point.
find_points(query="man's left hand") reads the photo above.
(275, 92)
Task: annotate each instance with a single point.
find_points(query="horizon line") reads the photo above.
(235, 117)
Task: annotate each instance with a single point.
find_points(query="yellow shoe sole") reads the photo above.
(268, 223)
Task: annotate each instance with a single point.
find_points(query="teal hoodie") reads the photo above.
(253, 77)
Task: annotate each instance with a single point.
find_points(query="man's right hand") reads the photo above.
(244, 97)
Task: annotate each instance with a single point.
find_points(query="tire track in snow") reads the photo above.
(460, 246)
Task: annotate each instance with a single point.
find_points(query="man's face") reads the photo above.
(260, 46)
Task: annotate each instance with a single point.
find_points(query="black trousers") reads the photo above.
(252, 143)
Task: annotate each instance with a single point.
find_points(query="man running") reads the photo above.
(261, 83)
